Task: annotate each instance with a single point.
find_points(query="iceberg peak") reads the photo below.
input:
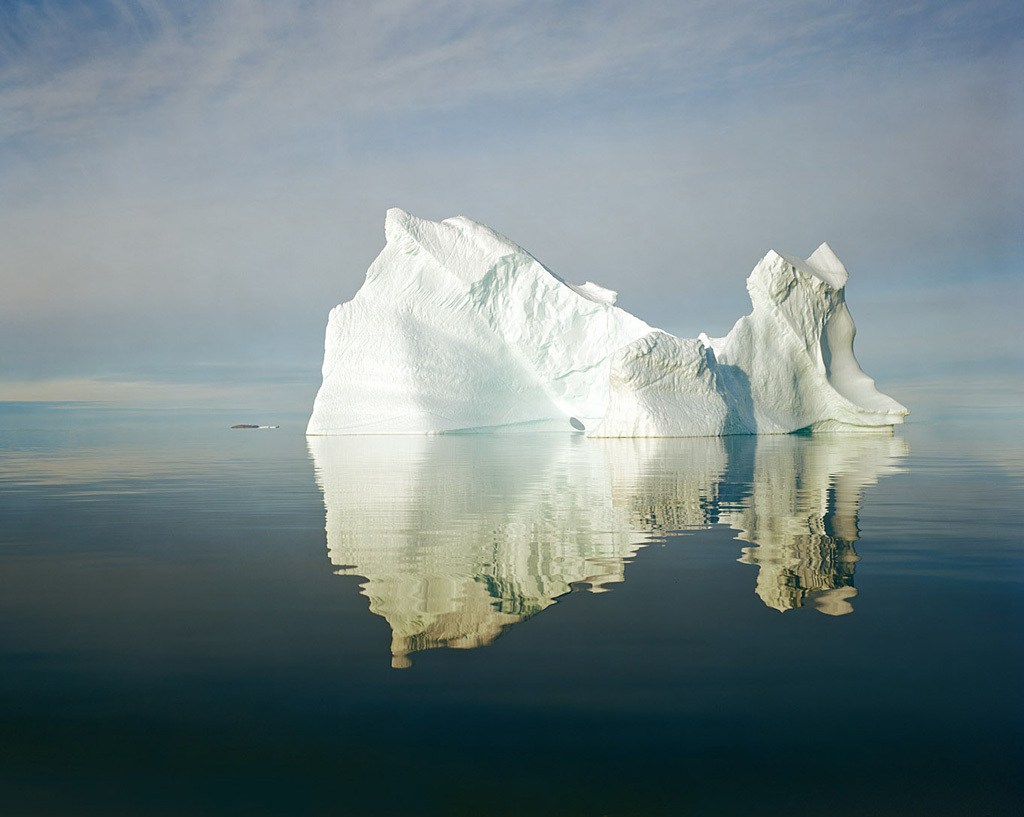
(824, 263)
(457, 328)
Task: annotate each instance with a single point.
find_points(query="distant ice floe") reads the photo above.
(456, 328)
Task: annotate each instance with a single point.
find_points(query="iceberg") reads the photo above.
(457, 329)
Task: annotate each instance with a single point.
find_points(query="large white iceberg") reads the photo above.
(456, 328)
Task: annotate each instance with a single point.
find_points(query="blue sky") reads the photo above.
(187, 188)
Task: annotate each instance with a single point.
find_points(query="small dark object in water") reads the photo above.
(577, 424)
(244, 425)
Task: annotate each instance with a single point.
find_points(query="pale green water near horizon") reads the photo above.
(199, 620)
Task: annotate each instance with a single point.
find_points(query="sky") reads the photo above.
(187, 188)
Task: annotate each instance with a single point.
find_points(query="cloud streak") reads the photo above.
(73, 67)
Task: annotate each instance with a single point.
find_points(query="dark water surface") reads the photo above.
(197, 620)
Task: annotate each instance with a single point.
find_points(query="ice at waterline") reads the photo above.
(456, 328)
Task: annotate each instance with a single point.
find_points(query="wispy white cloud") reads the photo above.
(74, 66)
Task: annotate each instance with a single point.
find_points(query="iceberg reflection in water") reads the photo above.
(460, 537)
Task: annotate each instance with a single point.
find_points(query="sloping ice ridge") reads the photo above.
(456, 328)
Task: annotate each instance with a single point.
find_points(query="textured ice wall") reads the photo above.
(456, 328)
(787, 366)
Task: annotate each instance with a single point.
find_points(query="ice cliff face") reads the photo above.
(457, 328)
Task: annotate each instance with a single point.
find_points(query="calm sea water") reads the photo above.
(199, 620)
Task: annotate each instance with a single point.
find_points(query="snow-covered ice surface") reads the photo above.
(456, 328)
